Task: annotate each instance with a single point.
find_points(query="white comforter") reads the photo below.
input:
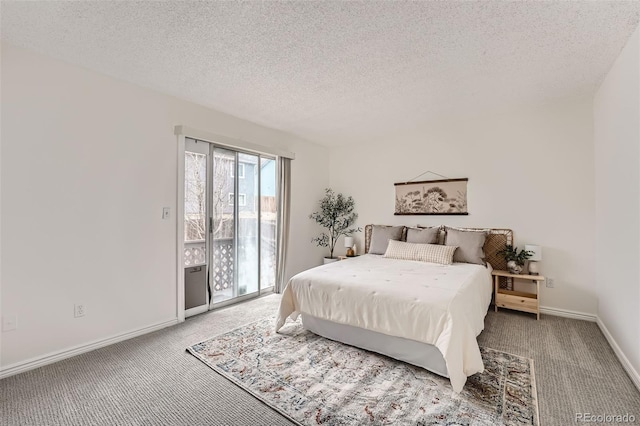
(441, 305)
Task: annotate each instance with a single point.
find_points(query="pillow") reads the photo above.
(470, 245)
(380, 236)
(433, 253)
(423, 235)
(441, 232)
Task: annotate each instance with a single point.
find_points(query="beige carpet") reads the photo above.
(576, 369)
(152, 380)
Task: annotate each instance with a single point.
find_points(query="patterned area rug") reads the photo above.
(316, 381)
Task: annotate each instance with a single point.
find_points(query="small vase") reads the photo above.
(514, 267)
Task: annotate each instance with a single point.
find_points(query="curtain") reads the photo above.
(284, 201)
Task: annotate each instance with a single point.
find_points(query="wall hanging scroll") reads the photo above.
(432, 197)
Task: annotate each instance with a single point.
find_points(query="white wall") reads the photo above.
(530, 171)
(616, 113)
(87, 164)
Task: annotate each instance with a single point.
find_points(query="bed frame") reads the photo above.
(421, 354)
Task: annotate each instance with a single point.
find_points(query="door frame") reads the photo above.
(182, 133)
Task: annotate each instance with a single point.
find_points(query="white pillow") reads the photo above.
(434, 253)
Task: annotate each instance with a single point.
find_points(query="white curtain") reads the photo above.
(284, 201)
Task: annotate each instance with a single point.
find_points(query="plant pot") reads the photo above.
(514, 267)
(330, 260)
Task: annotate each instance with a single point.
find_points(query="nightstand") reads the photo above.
(517, 300)
(347, 257)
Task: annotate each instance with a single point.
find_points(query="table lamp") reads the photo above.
(534, 267)
(348, 242)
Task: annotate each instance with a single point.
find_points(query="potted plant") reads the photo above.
(337, 215)
(515, 259)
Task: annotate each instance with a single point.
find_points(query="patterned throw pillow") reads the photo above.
(433, 253)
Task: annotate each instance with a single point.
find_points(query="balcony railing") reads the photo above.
(195, 254)
(223, 252)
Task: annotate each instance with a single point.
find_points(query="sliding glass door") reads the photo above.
(222, 264)
(248, 205)
(232, 209)
(268, 209)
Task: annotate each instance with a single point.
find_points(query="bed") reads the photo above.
(422, 313)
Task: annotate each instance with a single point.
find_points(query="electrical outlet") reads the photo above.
(166, 213)
(9, 323)
(551, 283)
(78, 310)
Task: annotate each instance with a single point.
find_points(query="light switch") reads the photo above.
(165, 213)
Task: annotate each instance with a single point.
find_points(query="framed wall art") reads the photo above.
(432, 197)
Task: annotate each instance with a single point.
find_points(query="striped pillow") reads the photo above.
(433, 253)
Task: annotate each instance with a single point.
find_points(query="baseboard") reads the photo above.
(195, 311)
(633, 374)
(30, 364)
(568, 314)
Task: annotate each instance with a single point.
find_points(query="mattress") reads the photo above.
(440, 305)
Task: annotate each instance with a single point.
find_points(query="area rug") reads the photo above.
(317, 381)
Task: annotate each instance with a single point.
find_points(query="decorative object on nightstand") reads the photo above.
(346, 257)
(536, 256)
(517, 300)
(348, 243)
(515, 260)
(337, 214)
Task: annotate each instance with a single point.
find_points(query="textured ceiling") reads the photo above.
(337, 72)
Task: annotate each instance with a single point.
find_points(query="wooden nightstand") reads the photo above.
(518, 300)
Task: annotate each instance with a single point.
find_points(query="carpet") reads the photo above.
(313, 380)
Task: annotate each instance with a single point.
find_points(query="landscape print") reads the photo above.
(445, 197)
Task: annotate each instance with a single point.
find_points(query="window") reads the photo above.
(240, 171)
(242, 199)
(195, 185)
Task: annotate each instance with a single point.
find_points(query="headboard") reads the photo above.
(496, 241)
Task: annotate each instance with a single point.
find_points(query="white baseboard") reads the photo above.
(633, 374)
(30, 364)
(197, 310)
(568, 314)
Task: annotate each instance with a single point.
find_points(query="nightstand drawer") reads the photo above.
(520, 302)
